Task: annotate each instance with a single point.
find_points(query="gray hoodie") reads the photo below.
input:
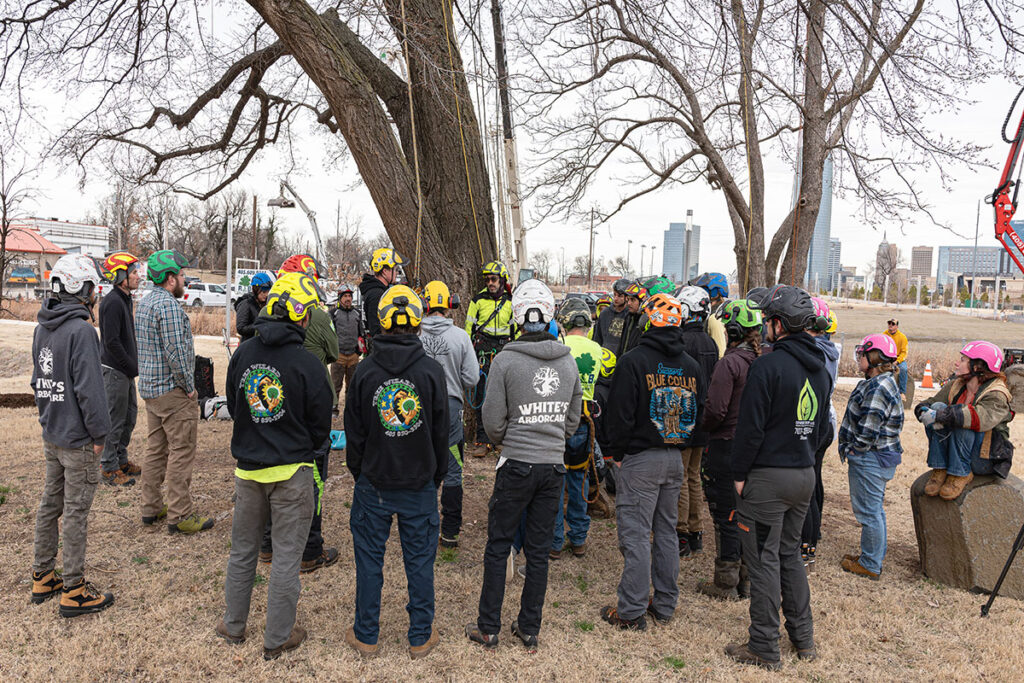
(67, 378)
(450, 346)
(533, 400)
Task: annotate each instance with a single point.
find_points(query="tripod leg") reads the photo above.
(1006, 568)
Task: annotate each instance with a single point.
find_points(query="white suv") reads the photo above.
(201, 294)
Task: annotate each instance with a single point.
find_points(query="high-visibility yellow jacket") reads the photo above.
(481, 316)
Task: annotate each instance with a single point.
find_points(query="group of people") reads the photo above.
(662, 394)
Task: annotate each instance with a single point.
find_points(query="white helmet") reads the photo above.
(71, 273)
(695, 301)
(533, 302)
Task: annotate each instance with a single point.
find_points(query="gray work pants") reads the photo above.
(290, 505)
(771, 518)
(71, 478)
(123, 406)
(646, 501)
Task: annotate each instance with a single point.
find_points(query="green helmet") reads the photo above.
(739, 316)
(163, 263)
(658, 284)
(574, 312)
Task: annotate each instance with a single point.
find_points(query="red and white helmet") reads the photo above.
(882, 343)
(987, 352)
(533, 302)
(72, 272)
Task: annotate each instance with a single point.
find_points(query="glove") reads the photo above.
(919, 409)
(927, 418)
(948, 416)
(361, 345)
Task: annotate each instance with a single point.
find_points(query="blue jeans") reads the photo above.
(578, 484)
(903, 376)
(954, 450)
(867, 497)
(370, 522)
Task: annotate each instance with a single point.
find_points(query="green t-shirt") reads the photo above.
(588, 360)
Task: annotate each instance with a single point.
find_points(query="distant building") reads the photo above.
(681, 244)
(921, 262)
(76, 238)
(955, 261)
(817, 273)
(30, 258)
(835, 253)
(886, 259)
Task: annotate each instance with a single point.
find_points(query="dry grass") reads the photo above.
(170, 596)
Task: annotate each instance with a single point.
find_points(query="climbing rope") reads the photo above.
(415, 145)
(746, 148)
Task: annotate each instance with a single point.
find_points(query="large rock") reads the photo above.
(965, 542)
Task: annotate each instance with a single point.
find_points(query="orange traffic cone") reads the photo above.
(926, 381)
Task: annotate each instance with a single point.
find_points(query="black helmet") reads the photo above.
(621, 285)
(791, 305)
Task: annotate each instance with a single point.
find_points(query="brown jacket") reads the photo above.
(989, 412)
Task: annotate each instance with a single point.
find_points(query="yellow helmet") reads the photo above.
(437, 295)
(399, 305)
(292, 296)
(833, 322)
(607, 362)
(495, 268)
(385, 257)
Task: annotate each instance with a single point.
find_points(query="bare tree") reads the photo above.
(681, 91)
(542, 262)
(14, 193)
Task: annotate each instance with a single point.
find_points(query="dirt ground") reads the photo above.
(169, 594)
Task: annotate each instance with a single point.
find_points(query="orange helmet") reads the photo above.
(119, 264)
(664, 310)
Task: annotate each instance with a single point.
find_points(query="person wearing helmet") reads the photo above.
(68, 385)
(449, 345)
(279, 400)
(634, 322)
(784, 422)
(656, 402)
(574, 317)
(717, 287)
(742, 324)
(396, 421)
(490, 326)
(248, 307)
(386, 264)
(608, 329)
(348, 324)
(893, 330)
(967, 422)
(532, 406)
(869, 442)
(120, 360)
(698, 343)
(167, 363)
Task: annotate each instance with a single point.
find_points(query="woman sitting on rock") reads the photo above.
(967, 422)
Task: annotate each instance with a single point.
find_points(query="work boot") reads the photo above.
(743, 587)
(742, 654)
(449, 542)
(658, 618)
(723, 587)
(421, 651)
(611, 615)
(83, 598)
(131, 469)
(294, 640)
(222, 632)
(555, 554)
(325, 559)
(477, 450)
(117, 478)
(365, 650)
(578, 550)
(266, 557)
(684, 544)
(954, 486)
(151, 520)
(528, 641)
(488, 640)
(192, 524)
(45, 585)
(935, 482)
(855, 567)
(696, 539)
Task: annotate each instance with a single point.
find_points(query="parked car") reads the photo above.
(587, 297)
(199, 294)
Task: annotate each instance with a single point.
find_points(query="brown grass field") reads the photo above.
(169, 590)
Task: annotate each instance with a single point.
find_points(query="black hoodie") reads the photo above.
(396, 416)
(117, 333)
(371, 290)
(279, 398)
(657, 396)
(247, 309)
(784, 407)
(702, 348)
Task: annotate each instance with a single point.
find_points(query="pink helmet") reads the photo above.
(987, 352)
(820, 323)
(882, 343)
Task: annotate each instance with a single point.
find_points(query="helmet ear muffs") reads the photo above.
(455, 301)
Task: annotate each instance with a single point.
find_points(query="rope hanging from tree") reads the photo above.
(415, 145)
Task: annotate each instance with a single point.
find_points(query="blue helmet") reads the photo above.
(714, 283)
(261, 281)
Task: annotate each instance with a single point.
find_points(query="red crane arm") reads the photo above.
(1006, 206)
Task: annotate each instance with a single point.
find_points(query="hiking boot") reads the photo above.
(741, 653)
(421, 651)
(266, 557)
(935, 481)
(83, 598)
(117, 478)
(45, 585)
(131, 469)
(477, 450)
(555, 554)
(193, 524)
(150, 521)
(658, 618)
(806, 654)
(578, 550)
(611, 615)
(855, 567)
(365, 650)
(529, 642)
(488, 640)
(449, 541)
(222, 631)
(723, 586)
(294, 640)
(696, 542)
(684, 545)
(325, 559)
(954, 486)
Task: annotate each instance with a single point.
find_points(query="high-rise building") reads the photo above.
(835, 255)
(921, 262)
(817, 272)
(955, 261)
(886, 260)
(681, 245)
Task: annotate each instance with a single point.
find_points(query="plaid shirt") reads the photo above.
(873, 420)
(167, 359)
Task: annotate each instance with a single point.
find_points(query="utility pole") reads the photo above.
(974, 264)
(227, 287)
(918, 303)
(652, 259)
(642, 247)
(629, 245)
(255, 231)
(511, 160)
(687, 237)
(590, 262)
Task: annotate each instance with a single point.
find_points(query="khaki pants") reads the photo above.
(342, 370)
(690, 493)
(173, 419)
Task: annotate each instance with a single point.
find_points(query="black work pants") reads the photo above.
(721, 495)
(811, 533)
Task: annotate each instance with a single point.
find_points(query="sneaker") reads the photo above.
(529, 642)
(421, 651)
(192, 524)
(222, 631)
(488, 640)
(326, 558)
(150, 521)
(45, 585)
(855, 567)
(449, 541)
(131, 469)
(365, 650)
(658, 618)
(742, 654)
(83, 598)
(578, 550)
(611, 615)
(294, 640)
(117, 478)
(684, 545)
(696, 540)
(266, 557)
